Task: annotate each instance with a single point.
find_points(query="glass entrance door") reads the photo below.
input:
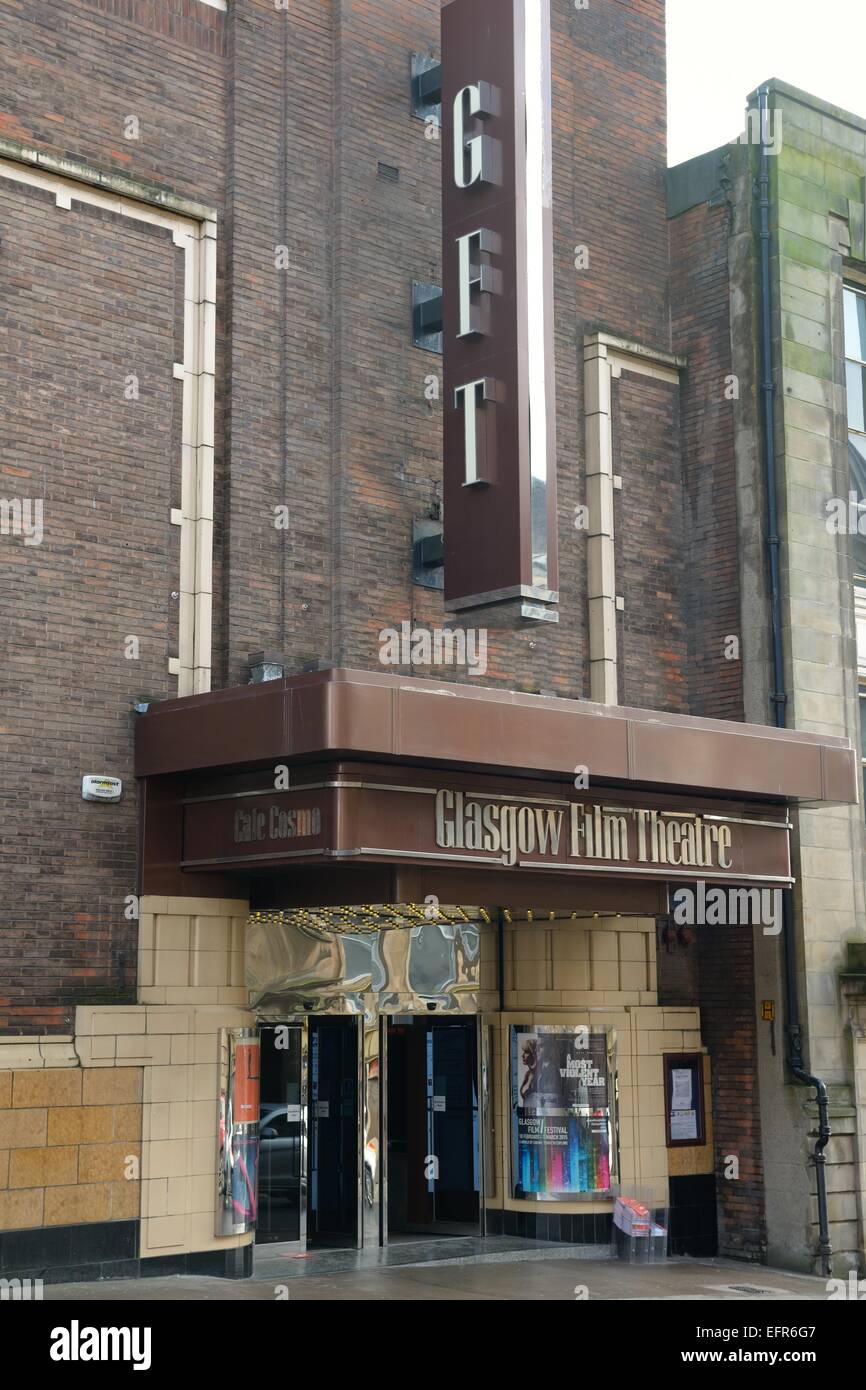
(355, 1145)
(433, 1174)
(334, 1197)
(282, 1133)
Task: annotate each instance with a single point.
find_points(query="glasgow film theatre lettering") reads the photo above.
(501, 826)
(582, 832)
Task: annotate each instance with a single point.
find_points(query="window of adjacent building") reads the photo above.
(855, 373)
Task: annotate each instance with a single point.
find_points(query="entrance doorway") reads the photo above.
(324, 1126)
(282, 1134)
(333, 1205)
(433, 1163)
(308, 1132)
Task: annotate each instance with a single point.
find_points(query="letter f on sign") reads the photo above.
(473, 276)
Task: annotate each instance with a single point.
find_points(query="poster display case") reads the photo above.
(238, 1152)
(563, 1112)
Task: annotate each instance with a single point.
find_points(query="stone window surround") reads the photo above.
(605, 357)
(194, 231)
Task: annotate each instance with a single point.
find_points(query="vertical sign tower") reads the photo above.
(499, 416)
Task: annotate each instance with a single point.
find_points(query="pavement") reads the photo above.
(495, 1269)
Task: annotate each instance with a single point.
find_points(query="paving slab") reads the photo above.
(496, 1269)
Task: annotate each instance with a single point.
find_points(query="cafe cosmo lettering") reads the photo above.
(257, 827)
(638, 835)
(498, 344)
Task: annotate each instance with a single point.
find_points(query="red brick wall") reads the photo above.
(717, 972)
(87, 299)
(678, 975)
(370, 426)
(325, 396)
(279, 120)
(72, 73)
(701, 326)
(348, 433)
(650, 561)
(723, 958)
(729, 1030)
(610, 154)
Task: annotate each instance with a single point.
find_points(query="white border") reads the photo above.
(196, 237)
(606, 357)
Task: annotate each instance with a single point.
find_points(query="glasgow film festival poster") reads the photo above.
(561, 1122)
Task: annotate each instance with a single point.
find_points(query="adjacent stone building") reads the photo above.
(815, 167)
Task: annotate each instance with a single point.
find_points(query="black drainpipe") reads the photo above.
(779, 696)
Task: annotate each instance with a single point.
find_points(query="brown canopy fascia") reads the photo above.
(371, 715)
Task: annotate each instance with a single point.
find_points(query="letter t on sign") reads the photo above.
(470, 399)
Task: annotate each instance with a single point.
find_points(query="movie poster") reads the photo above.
(238, 1157)
(244, 1178)
(561, 1118)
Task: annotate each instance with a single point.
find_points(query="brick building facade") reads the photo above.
(211, 219)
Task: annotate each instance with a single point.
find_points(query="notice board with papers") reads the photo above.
(684, 1099)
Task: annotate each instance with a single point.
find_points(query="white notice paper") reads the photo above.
(681, 1088)
(684, 1124)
